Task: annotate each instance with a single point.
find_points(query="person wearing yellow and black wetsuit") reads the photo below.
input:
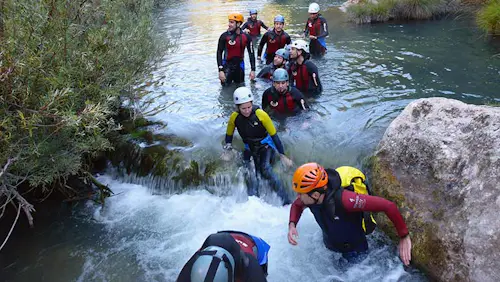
(232, 44)
(261, 141)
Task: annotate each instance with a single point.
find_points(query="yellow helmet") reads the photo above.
(236, 17)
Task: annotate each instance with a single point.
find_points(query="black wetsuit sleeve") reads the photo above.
(298, 97)
(263, 41)
(254, 272)
(288, 39)
(220, 49)
(279, 145)
(313, 70)
(262, 24)
(324, 28)
(185, 275)
(251, 54)
(265, 101)
(244, 26)
(306, 29)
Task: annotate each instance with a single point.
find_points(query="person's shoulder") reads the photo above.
(234, 115)
(322, 18)
(224, 34)
(261, 114)
(296, 92)
(309, 64)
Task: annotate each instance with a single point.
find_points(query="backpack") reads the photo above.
(354, 180)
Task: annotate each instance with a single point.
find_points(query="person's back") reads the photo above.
(221, 258)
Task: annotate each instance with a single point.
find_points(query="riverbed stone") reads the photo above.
(439, 160)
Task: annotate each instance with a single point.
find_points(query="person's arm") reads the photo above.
(244, 26)
(312, 69)
(306, 29)
(250, 52)
(353, 202)
(288, 39)
(271, 130)
(296, 211)
(262, 24)
(299, 99)
(323, 28)
(263, 72)
(265, 101)
(220, 49)
(230, 128)
(263, 41)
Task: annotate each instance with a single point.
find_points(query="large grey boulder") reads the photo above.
(439, 160)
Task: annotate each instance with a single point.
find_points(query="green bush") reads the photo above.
(488, 18)
(418, 9)
(65, 68)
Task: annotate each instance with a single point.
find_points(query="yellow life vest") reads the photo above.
(354, 180)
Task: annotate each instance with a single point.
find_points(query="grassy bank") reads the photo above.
(65, 68)
(368, 11)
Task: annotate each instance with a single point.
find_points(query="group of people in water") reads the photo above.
(339, 199)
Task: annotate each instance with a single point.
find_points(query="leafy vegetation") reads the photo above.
(488, 18)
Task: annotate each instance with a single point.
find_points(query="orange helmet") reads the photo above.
(309, 177)
(235, 17)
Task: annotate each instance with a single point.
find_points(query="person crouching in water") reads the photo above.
(340, 202)
(304, 73)
(281, 98)
(281, 58)
(228, 256)
(261, 140)
(232, 44)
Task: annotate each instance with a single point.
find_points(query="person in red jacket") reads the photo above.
(339, 211)
(253, 25)
(303, 73)
(316, 30)
(275, 39)
(232, 44)
(282, 99)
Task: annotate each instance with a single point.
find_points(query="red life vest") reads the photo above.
(300, 76)
(254, 27)
(246, 244)
(278, 42)
(286, 103)
(236, 48)
(314, 26)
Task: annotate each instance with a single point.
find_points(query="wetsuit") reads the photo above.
(254, 29)
(267, 71)
(287, 103)
(274, 41)
(340, 217)
(317, 27)
(302, 77)
(246, 269)
(260, 138)
(233, 44)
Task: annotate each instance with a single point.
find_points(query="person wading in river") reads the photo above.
(253, 25)
(261, 141)
(281, 98)
(275, 39)
(232, 44)
(280, 61)
(303, 73)
(228, 256)
(337, 198)
(316, 30)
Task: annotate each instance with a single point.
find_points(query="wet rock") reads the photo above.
(439, 160)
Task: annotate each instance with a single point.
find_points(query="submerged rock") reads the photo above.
(439, 160)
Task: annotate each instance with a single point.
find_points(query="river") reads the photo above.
(369, 75)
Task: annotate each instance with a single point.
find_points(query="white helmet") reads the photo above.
(313, 8)
(301, 44)
(242, 95)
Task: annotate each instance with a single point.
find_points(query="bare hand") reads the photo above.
(312, 37)
(222, 76)
(258, 58)
(286, 161)
(246, 30)
(293, 235)
(252, 75)
(405, 250)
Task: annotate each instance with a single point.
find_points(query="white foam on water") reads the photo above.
(150, 237)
